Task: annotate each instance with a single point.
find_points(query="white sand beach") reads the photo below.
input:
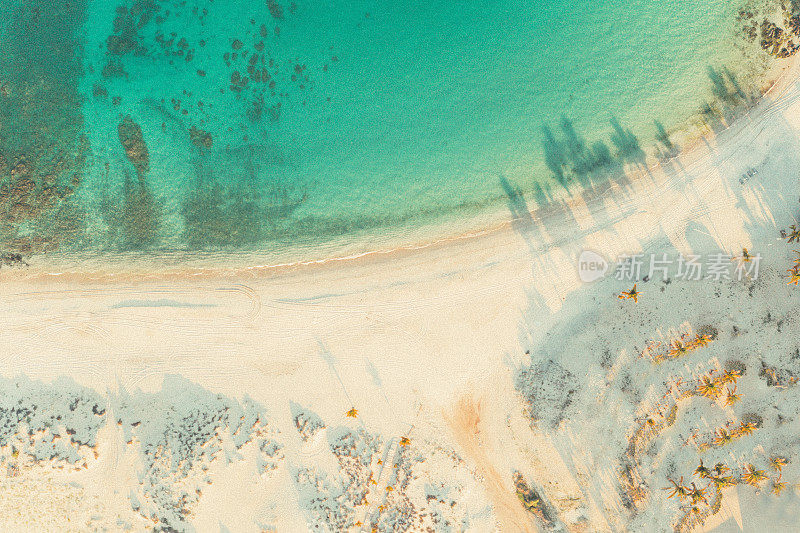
(452, 346)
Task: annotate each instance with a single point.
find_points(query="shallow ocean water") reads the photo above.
(297, 130)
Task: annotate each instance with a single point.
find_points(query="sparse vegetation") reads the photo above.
(745, 428)
(710, 387)
(530, 499)
(753, 476)
(697, 495)
(677, 489)
(777, 463)
(793, 235)
(722, 437)
(778, 486)
(703, 471)
(731, 396)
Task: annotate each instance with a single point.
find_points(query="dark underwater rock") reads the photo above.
(130, 135)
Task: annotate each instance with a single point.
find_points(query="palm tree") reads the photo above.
(697, 495)
(632, 294)
(678, 349)
(730, 376)
(794, 234)
(794, 271)
(701, 340)
(722, 437)
(709, 387)
(723, 481)
(745, 429)
(778, 486)
(778, 462)
(721, 468)
(731, 396)
(753, 476)
(702, 471)
(679, 489)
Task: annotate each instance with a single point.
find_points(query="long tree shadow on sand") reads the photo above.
(521, 220)
(571, 160)
(627, 144)
(590, 353)
(729, 99)
(665, 148)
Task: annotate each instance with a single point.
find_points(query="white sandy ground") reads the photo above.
(427, 344)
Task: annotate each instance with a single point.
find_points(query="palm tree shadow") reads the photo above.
(521, 219)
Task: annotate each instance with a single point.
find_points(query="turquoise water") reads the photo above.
(293, 129)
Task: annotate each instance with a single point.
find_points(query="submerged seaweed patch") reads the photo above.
(777, 32)
(42, 147)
